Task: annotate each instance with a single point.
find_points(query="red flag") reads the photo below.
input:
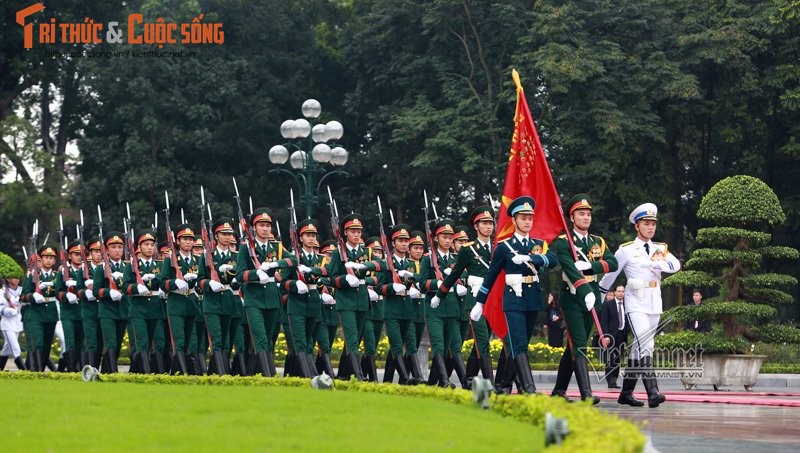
(527, 174)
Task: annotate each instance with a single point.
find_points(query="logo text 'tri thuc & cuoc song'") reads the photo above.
(139, 31)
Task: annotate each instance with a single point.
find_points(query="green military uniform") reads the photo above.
(348, 276)
(398, 313)
(113, 320)
(92, 335)
(262, 300)
(441, 314)
(329, 316)
(574, 290)
(373, 325)
(218, 305)
(471, 265)
(181, 301)
(418, 303)
(40, 317)
(145, 306)
(162, 338)
(70, 312)
(198, 345)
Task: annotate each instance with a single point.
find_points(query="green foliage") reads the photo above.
(714, 309)
(769, 296)
(709, 343)
(778, 333)
(729, 236)
(741, 201)
(779, 252)
(768, 280)
(590, 429)
(10, 268)
(689, 278)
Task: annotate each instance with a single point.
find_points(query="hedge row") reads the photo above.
(590, 429)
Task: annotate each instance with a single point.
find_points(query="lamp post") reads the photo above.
(306, 137)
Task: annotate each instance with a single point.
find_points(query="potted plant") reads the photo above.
(735, 256)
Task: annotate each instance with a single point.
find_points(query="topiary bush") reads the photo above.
(10, 268)
(734, 256)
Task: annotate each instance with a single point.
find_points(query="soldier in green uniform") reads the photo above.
(580, 292)
(113, 321)
(416, 250)
(373, 326)
(305, 299)
(348, 274)
(39, 318)
(218, 300)
(262, 300)
(162, 355)
(198, 345)
(181, 303)
(70, 312)
(145, 301)
(329, 317)
(92, 335)
(238, 334)
(399, 294)
(471, 265)
(442, 314)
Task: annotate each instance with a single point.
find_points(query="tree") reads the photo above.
(742, 211)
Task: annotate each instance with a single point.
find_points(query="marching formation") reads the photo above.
(214, 298)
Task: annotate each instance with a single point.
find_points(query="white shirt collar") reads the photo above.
(351, 248)
(520, 237)
(260, 244)
(482, 244)
(399, 259)
(580, 236)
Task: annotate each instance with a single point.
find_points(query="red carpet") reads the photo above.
(749, 398)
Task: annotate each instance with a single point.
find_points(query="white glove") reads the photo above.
(181, 284)
(70, 283)
(373, 296)
(215, 286)
(304, 269)
(265, 266)
(405, 274)
(142, 290)
(10, 312)
(435, 301)
(38, 298)
(302, 288)
(583, 265)
(72, 298)
(160, 293)
(352, 280)
(355, 266)
(116, 275)
(148, 277)
(327, 299)
(191, 276)
(590, 300)
(414, 293)
(476, 312)
(115, 295)
(263, 278)
(225, 268)
(520, 259)
(233, 280)
(43, 285)
(461, 290)
(89, 284)
(447, 271)
(90, 295)
(399, 289)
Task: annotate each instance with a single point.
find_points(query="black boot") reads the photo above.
(157, 362)
(448, 364)
(271, 363)
(238, 366)
(345, 370)
(91, 358)
(202, 367)
(74, 361)
(179, 365)
(84, 360)
(414, 368)
(262, 358)
(523, 368)
(473, 365)
(440, 370)
(290, 366)
(312, 367)
(486, 368)
(193, 366)
(324, 364)
(109, 364)
(352, 358)
(301, 365)
(461, 372)
(3, 360)
(388, 370)
(218, 363)
(20, 363)
(48, 362)
(226, 362)
(404, 378)
(37, 363)
(506, 375)
(563, 377)
(629, 379)
(372, 368)
(144, 362)
(654, 397)
(61, 367)
(582, 376)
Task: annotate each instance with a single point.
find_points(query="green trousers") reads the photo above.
(39, 336)
(181, 330)
(261, 323)
(143, 334)
(92, 335)
(218, 327)
(352, 328)
(401, 336)
(579, 325)
(113, 333)
(325, 336)
(303, 329)
(236, 336)
(441, 332)
(73, 334)
(372, 335)
(419, 332)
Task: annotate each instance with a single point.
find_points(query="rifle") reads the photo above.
(84, 261)
(130, 240)
(434, 251)
(104, 253)
(207, 245)
(389, 254)
(33, 260)
(391, 217)
(171, 241)
(210, 222)
(336, 231)
(247, 233)
(62, 245)
(278, 237)
(293, 233)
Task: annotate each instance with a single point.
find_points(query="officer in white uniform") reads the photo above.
(643, 262)
(11, 323)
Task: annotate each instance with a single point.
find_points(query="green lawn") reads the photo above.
(77, 416)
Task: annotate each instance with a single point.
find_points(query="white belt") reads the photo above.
(181, 293)
(637, 284)
(149, 294)
(49, 299)
(362, 282)
(474, 280)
